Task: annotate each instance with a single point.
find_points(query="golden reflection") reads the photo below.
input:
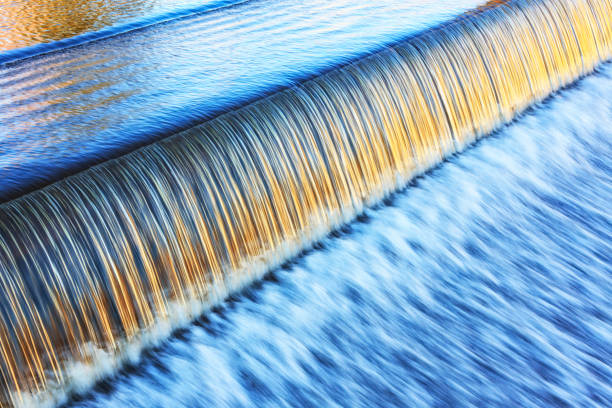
(28, 22)
(106, 258)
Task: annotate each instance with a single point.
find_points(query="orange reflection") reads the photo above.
(28, 22)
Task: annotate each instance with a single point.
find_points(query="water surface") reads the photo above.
(29, 22)
(487, 282)
(61, 112)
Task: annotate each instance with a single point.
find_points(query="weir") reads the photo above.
(103, 263)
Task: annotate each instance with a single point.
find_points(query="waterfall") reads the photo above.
(105, 262)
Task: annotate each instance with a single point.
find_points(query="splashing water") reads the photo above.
(486, 282)
(109, 260)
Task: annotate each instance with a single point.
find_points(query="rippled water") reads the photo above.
(63, 111)
(28, 22)
(485, 283)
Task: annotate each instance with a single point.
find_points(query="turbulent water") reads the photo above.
(98, 266)
(486, 283)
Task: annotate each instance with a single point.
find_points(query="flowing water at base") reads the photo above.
(100, 265)
(486, 282)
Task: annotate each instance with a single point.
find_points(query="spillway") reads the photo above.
(107, 261)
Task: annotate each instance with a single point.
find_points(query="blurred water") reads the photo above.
(63, 111)
(487, 282)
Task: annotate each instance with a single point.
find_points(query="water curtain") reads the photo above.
(103, 263)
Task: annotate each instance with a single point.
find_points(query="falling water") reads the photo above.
(101, 264)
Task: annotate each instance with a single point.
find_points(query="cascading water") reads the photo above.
(106, 261)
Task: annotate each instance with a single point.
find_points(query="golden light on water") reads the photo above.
(28, 22)
(94, 263)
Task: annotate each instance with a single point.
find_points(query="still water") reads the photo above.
(63, 111)
(485, 283)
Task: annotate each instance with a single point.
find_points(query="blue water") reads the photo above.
(66, 110)
(29, 27)
(486, 283)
